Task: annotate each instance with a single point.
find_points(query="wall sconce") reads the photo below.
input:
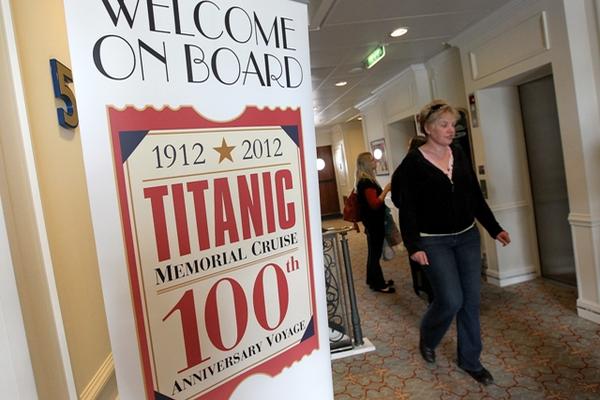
(320, 164)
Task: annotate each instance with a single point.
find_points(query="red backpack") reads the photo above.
(352, 210)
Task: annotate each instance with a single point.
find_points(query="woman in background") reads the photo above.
(439, 199)
(371, 199)
(420, 281)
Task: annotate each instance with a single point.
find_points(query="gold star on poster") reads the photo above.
(224, 151)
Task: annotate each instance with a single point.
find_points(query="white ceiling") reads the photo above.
(344, 32)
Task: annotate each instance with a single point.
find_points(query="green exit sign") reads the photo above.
(374, 57)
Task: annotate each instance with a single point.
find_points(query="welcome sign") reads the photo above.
(195, 139)
(211, 23)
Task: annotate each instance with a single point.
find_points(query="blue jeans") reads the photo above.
(455, 274)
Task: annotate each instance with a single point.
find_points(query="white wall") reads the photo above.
(445, 74)
(399, 134)
(508, 187)
(400, 98)
(403, 97)
(505, 49)
(323, 136)
(347, 141)
(514, 42)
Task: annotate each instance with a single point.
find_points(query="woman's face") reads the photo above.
(372, 163)
(441, 131)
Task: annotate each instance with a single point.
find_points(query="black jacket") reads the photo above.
(371, 219)
(429, 202)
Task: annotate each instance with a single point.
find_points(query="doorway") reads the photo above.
(547, 177)
(330, 205)
(400, 132)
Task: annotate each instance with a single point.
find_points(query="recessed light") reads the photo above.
(359, 118)
(341, 83)
(399, 32)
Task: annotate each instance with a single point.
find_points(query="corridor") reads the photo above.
(535, 345)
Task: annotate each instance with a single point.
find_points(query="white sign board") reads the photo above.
(198, 142)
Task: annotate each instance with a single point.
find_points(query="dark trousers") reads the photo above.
(455, 274)
(375, 247)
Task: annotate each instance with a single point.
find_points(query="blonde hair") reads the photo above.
(364, 168)
(432, 111)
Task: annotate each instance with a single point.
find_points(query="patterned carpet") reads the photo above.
(534, 344)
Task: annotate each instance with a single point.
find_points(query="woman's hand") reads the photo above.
(503, 237)
(385, 191)
(420, 257)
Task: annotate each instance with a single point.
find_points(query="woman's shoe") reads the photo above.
(385, 289)
(390, 282)
(482, 376)
(427, 353)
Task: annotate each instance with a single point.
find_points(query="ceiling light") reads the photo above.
(341, 83)
(399, 32)
(359, 118)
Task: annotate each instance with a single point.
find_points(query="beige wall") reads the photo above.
(348, 139)
(41, 35)
(353, 146)
(22, 213)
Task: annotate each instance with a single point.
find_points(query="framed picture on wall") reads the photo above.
(380, 155)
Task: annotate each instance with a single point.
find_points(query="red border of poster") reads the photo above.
(132, 119)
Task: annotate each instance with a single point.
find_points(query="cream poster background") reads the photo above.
(218, 58)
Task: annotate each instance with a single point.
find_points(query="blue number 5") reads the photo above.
(61, 75)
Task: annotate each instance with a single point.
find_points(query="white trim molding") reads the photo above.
(498, 53)
(413, 68)
(502, 279)
(101, 377)
(509, 206)
(588, 310)
(366, 102)
(583, 220)
(491, 25)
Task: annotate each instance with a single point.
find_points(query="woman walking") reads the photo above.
(439, 199)
(371, 199)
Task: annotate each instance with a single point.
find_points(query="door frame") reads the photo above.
(334, 179)
(536, 217)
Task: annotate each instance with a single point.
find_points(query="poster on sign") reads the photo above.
(237, 244)
(199, 148)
